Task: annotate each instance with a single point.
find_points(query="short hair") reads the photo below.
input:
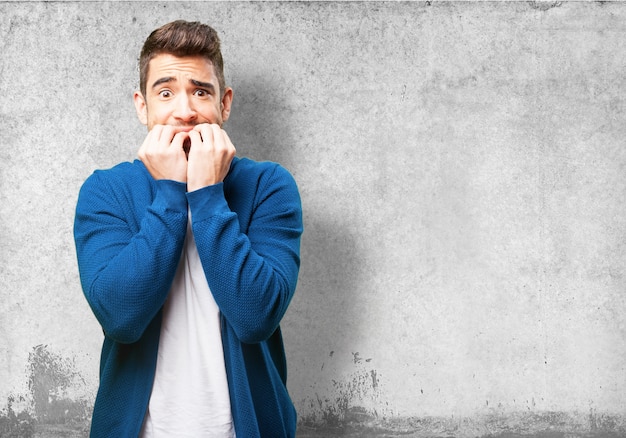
(182, 38)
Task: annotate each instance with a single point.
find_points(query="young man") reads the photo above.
(189, 257)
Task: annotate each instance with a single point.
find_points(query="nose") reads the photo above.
(184, 110)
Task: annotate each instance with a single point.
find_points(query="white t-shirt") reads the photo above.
(190, 394)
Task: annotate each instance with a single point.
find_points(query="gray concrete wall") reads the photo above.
(462, 169)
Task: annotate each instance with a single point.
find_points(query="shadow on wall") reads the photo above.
(325, 322)
(331, 280)
(257, 125)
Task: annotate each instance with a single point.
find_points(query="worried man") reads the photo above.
(189, 258)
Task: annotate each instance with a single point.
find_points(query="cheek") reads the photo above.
(157, 114)
(211, 114)
(208, 117)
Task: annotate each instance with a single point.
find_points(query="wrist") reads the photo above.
(194, 185)
(207, 201)
(171, 194)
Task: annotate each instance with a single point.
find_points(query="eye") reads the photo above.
(201, 93)
(165, 94)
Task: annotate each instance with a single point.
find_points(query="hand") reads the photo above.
(162, 153)
(209, 157)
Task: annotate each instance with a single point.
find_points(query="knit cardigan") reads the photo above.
(129, 231)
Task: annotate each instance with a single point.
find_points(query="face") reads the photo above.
(182, 92)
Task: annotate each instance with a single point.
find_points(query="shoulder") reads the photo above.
(263, 173)
(251, 185)
(124, 181)
(125, 173)
(125, 170)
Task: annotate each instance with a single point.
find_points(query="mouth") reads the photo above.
(187, 145)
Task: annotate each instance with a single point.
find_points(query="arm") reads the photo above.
(252, 276)
(127, 256)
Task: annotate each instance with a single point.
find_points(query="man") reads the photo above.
(189, 257)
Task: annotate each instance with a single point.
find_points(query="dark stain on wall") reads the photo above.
(513, 425)
(16, 424)
(543, 5)
(51, 409)
(52, 379)
(342, 412)
(54, 405)
(344, 404)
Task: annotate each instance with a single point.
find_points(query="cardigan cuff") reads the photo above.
(170, 195)
(207, 202)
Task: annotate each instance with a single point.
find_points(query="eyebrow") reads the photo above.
(201, 84)
(195, 82)
(164, 80)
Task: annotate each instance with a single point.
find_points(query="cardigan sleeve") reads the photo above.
(128, 251)
(252, 275)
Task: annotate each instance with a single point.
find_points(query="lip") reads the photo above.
(184, 128)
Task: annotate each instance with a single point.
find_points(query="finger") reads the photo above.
(156, 131)
(227, 140)
(195, 140)
(198, 128)
(178, 139)
(195, 137)
(225, 145)
(219, 141)
(218, 138)
(206, 131)
(167, 135)
(149, 140)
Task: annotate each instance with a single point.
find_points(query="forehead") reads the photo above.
(190, 67)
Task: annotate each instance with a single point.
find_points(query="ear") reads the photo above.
(140, 107)
(227, 101)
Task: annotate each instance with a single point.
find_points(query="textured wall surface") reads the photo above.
(462, 169)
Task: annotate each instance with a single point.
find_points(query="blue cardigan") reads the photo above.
(129, 231)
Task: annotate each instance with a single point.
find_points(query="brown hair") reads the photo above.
(182, 38)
